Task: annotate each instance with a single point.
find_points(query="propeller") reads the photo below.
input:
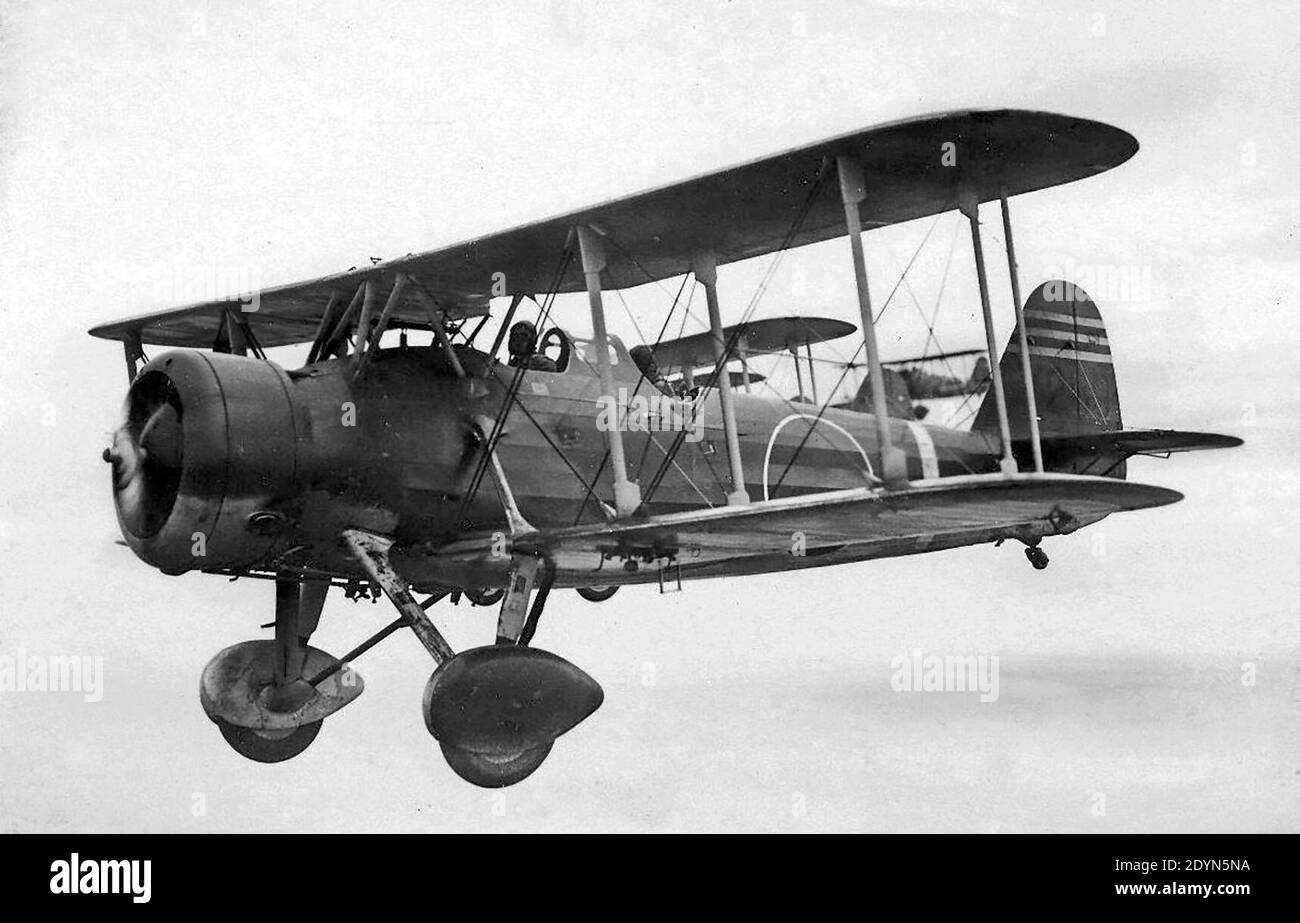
(146, 458)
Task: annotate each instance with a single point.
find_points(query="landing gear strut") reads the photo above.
(495, 711)
(258, 693)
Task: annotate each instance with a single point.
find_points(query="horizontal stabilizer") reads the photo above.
(1137, 442)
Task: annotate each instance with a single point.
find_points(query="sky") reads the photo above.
(1148, 677)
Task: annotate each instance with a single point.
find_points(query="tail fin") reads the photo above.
(1075, 392)
(898, 396)
(1074, 379)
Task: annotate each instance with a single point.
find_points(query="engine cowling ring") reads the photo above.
(198, 501)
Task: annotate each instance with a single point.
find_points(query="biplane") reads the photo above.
(925, 384)
(914, 385)
(423, 472)
(777, 335)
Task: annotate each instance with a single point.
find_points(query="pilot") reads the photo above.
(522, 344)
(644, 358)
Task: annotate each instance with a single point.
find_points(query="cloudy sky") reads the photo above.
(147, 145)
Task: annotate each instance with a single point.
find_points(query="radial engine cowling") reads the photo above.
(207, 453)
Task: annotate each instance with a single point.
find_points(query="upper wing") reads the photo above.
(756, 338)
(912, 168)
(935, 358)
(290, 313)
(926, 510)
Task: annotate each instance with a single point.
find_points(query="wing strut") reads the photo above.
(134, 354)
(323, 348)
(627, 496)
(1035, 441)
(970, 208)
(812, 372)
(326, 319)
(368, 339)
(368, 299)
(893, 462)
(438, 321)
(706, 271)
(514, 518)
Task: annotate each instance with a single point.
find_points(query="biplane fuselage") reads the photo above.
(393, 451)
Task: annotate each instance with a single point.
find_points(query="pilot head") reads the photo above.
(523, 338)
(644, 358)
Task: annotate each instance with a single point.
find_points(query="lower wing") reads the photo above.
(978, 507)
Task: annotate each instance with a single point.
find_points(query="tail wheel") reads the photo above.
(490, 770)
(597, 594)
(268, 746)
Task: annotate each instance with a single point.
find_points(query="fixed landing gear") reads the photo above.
(264, 746)
(488, 770)
(269, 698)
(1037, 557)
(497, 710)
(597, 594)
